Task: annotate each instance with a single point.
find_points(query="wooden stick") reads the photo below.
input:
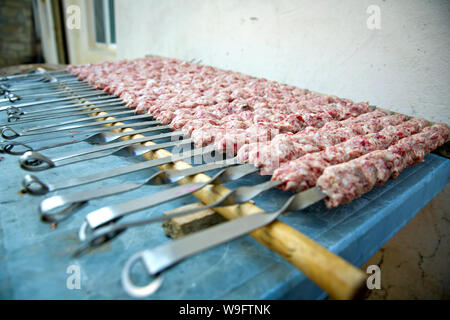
(181, 226)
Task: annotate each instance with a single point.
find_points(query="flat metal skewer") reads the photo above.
(56, 83)
(66, 91)
(66, 114)
(8, 145)
(42, 78)
(51, 88)
(99, 218)
(38, 91)
(84, 119)
(75, 106)
(34, 161)
(35, 73)
(110, 214)
(54, 90)
(34, 185)
(95, 138)
(9, 133)
(31, 80)
(161, 258)
(45, 102)
(59, 207)
(233, 197)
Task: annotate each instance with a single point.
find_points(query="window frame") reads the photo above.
(107, 27)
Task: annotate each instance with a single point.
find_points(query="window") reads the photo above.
(104, 24)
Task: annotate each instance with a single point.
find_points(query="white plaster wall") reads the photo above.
(320, 45)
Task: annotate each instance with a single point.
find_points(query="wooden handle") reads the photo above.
(337, 277)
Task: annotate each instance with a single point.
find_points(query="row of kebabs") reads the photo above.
(301, 138)
(206, 101)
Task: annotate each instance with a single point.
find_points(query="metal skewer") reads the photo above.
(67, 90)
(34, 185)
(34, 161)
(75, 106)
(24, 84)
(109, 107)
(57, 208)
(95, 138)
(44, 83)
(111, 214)
(34, 73)
(9, 133)
(88, 118)
(31, 80)
(97, 219)
(159, 259)
(51, 84)
(11, 97)
(39, 91)
(44, 78)
(31, 104)
(233, 197)
(8, 145)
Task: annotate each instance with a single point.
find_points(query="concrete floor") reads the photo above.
(415, 263)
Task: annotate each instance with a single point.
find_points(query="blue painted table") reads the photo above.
(34, 257)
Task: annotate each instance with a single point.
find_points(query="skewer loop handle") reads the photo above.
(34, 185)
(128, 285)
(9, 133)
(8, 146)
(35, 161)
